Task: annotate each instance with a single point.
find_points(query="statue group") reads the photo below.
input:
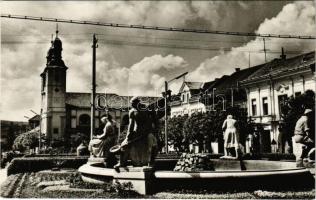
(140, 144)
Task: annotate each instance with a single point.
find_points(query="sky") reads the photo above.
(128, 69)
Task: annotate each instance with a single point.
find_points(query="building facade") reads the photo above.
(222, 92)
(269, 88)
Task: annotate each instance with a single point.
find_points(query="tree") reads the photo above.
(175, 132)
(207, 127)
(292, 110)
(26, 140)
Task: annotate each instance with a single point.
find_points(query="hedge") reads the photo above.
(34, 164)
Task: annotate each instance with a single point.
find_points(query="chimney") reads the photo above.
(283, 56)
(237, 69)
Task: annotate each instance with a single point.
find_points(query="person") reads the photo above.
(140, 143)
(230, 137)
(304, 134)
(100, 145)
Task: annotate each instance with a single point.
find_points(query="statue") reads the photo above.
(140, 144)
(100, 145)
(304, 134)
(231, 138)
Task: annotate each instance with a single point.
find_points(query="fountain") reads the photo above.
(229, 174)
(223, 174)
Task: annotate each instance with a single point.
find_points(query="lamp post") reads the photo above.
(213, 96)
(166, 103)
(40, 130)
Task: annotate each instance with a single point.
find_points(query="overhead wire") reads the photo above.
(156, 28)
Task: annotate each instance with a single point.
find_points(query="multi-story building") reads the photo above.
(268, 89)
(202, 97)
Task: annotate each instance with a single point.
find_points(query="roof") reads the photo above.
(35, 118)
(193, 86)
(114, 101)
(209, 85)
(280, 66)
(232, 81)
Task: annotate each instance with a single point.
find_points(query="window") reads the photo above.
(56, 77)
(282, 102)
(73, 113)
(254, 107)
(188, 97)
(265, 106)
(55, 130)
(84, 120)
(73, 122)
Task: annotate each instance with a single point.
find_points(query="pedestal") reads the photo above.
(140, 177)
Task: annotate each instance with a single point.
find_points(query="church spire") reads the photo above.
(54, 56)
(57, 30)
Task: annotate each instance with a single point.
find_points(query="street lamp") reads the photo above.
(40, 129)
(166, 92)
(213, 96)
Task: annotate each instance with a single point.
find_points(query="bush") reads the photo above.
(28, 140)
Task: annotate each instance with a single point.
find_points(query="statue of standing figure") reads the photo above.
(140, 144)
(231, 138)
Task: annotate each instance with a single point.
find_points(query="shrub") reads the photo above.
(27, 140)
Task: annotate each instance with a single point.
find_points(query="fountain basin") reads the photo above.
(227, 175)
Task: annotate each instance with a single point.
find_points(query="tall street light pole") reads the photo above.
(40, 130)
(94, 46)
(213, 95)
(166, 105)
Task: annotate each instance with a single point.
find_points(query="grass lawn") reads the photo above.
(25, 186)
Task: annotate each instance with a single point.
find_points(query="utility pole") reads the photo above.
(232, 96)
(265, 50)
(168, 93)
(166, 135)
(249, 59)
(94, 46)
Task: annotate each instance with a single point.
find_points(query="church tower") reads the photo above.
(53, 90)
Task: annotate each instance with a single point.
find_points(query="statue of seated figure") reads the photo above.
(304, 135)
(100, 145)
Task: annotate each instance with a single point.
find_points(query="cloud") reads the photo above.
(143, 78)
(296, 18)
(121, 69)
